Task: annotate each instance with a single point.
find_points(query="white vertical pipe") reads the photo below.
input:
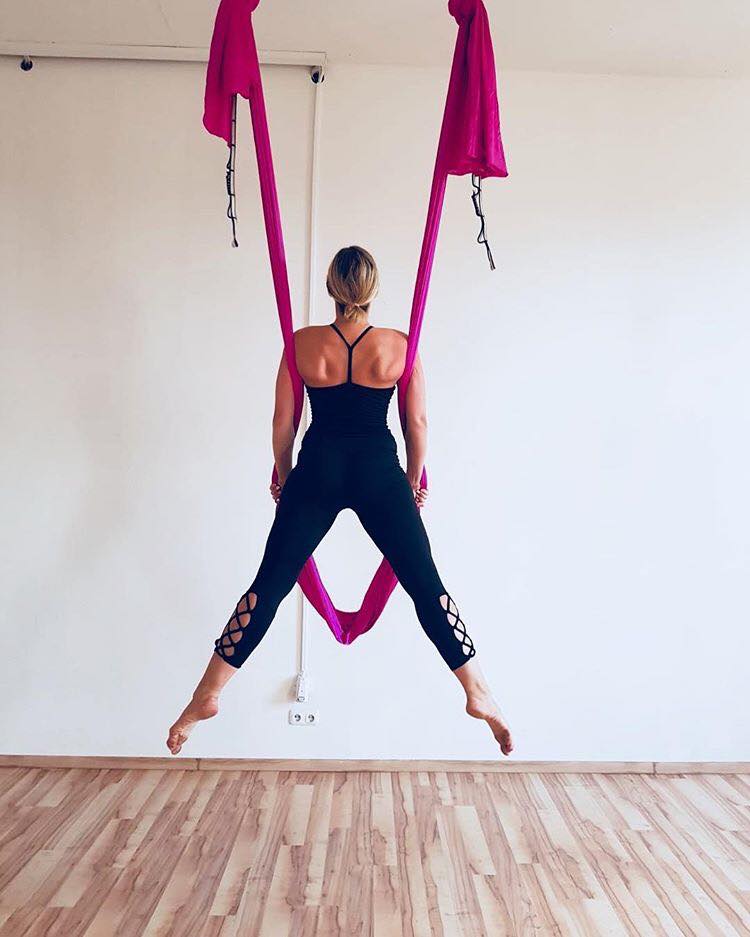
(309, 318)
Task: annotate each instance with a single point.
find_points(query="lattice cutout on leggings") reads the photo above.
(236, 625)
(459, 628)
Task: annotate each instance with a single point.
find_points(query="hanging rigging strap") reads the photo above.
(469, 143)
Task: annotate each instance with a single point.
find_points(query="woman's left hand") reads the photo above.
(420, 496)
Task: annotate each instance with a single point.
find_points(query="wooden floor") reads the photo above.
(207, 853)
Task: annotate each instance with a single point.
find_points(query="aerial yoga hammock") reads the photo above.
(469, 142)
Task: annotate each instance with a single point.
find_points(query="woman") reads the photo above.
(347, 459)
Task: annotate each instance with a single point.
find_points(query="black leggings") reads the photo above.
(363, 474)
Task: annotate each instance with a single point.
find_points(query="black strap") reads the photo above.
(359, 338)
(350, 348)
(476, 198)
(338, 332)
(232, 207)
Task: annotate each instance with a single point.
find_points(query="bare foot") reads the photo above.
(483, 706)
(202, 707)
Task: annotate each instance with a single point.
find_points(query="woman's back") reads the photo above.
(350, 372)
(323, 357)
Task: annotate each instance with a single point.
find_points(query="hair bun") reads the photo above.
(352, 281)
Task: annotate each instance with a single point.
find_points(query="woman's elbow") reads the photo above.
(283, 425)
(416, 431)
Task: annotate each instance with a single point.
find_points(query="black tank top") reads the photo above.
(350, 409)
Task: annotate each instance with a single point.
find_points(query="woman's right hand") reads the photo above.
(275, 490)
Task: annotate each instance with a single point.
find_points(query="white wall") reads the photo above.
(138, 357)
(589, 450)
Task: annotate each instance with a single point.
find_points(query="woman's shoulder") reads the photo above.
(309, 335)
(396, 336)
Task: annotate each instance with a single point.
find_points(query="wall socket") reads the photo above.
(301, 714)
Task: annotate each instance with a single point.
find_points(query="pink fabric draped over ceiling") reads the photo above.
(469, 142)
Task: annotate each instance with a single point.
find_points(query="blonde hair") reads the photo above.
(352, 281)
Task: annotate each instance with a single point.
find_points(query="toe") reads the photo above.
(175, 739)
(506, 743)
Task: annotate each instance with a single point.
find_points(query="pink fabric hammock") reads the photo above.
(469, 142)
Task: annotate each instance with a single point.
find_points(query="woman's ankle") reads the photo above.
(206, 694)
(479, 694)
(472, 680)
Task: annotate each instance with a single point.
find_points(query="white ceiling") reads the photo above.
(664, 37)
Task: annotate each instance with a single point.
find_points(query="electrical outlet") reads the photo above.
(300, 715)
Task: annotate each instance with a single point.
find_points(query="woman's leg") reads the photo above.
(388, 513)
(302, 520)
(390, 516)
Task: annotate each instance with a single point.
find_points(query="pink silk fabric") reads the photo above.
(469, 142)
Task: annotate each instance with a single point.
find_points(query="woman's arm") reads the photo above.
(283, 423)
(416, 430)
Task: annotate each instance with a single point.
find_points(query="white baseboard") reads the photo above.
(292, 764)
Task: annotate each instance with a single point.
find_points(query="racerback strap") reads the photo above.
(350, 348)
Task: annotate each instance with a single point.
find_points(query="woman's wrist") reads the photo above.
(414, 475)
(282, 473)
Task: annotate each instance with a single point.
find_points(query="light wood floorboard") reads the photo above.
(118, 852)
